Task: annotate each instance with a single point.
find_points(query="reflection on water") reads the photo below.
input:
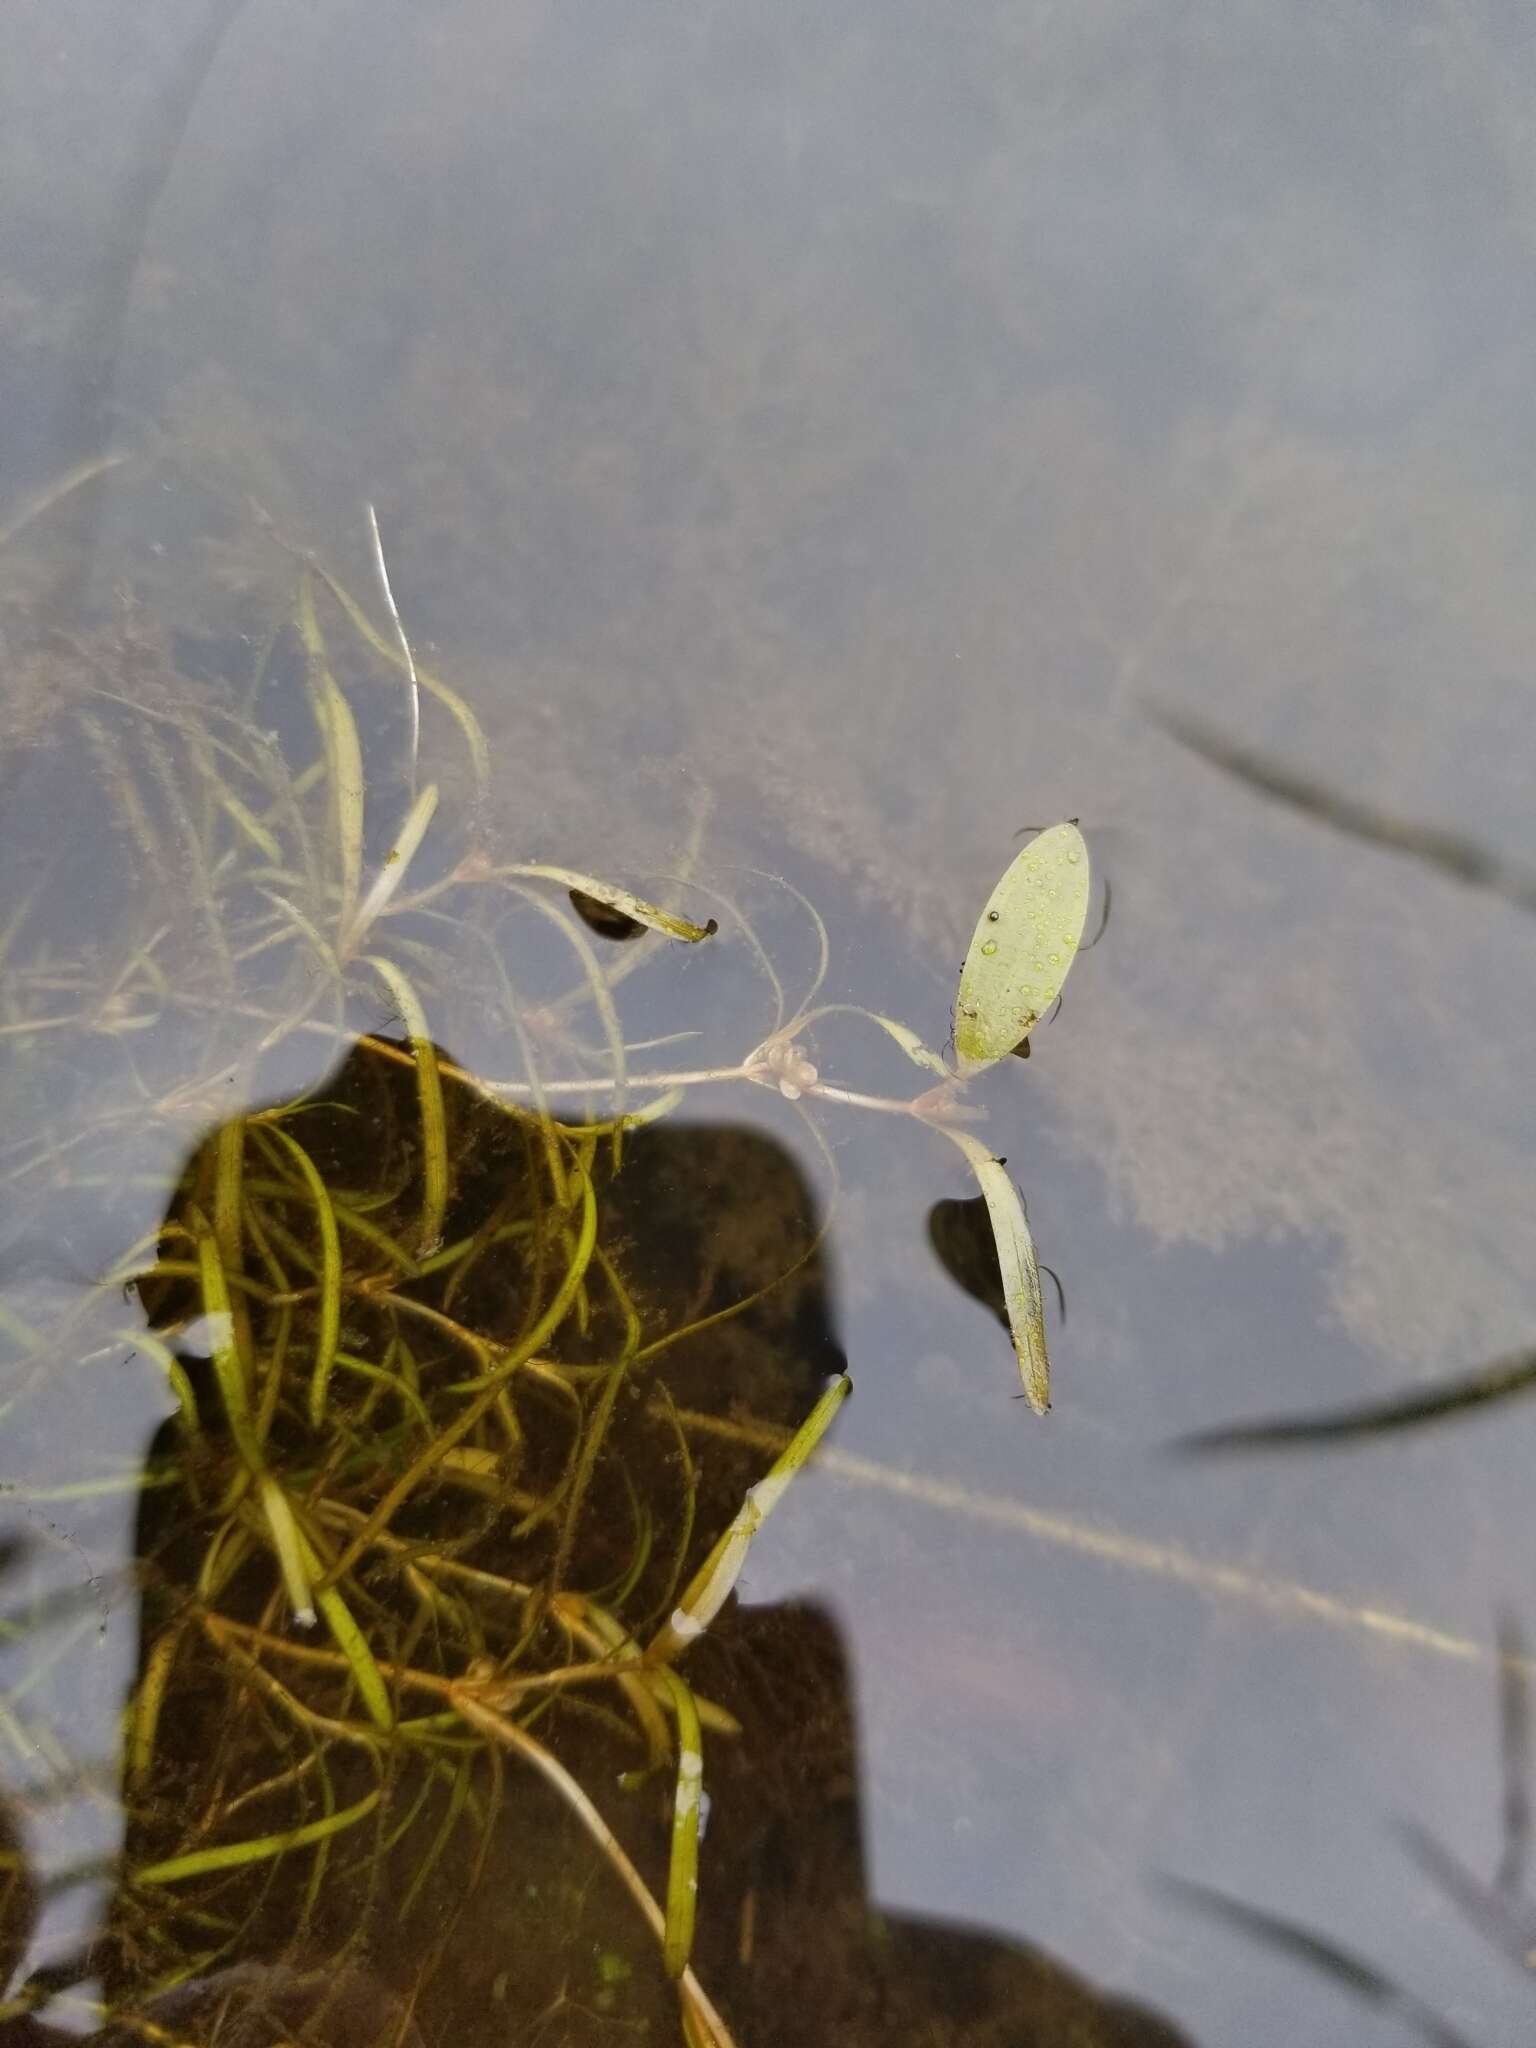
(805, 447)
(249, 1909)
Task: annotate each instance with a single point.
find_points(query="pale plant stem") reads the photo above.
(697, 1079)
(893, 1105)
(405, 645)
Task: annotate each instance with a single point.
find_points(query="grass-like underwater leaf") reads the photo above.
(257, 1848)
(406, 656)
(393, 871)
(429, 1095)
(711, 1585)
(468, 724)
(55, 493)
(144, 1715)
(289, 1548)
(343, 754)
(683, 1870)
(699, 2014)
(353, 1645)
(229, 1367)
(602, 1001)
(328, 1329)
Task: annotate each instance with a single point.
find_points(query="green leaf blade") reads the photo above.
(1024, 944)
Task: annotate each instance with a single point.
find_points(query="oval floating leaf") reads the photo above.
(1025, 941)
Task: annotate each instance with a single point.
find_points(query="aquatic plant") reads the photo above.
(399, 1515)
(1025, 942)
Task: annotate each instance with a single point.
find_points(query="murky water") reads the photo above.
(813, 445)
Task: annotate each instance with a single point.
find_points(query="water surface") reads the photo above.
(820, 445)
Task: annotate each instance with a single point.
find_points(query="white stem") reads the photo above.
(405, 645)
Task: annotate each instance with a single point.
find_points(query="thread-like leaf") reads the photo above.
(469, 725)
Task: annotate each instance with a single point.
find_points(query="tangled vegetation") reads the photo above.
(402, 1522)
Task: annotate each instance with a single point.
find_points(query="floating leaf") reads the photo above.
(1024, 943)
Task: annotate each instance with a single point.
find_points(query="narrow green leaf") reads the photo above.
(343, 755)
(228, 1367)
(392, 873)
(73, 480)
(711, 1585)
(289, 1547)
(683, 1869)
(469, 725)
(257, 1848)
(250, 825)
(307, 930)
(328, 1331)
(144, 1717)
(353, 1645)
(429, 1096)
(911, 1044)
(154, 1347)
